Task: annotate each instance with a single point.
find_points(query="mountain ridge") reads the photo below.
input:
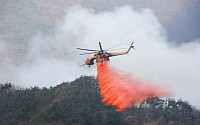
(79, 102)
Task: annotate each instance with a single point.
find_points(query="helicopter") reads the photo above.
(101, 55)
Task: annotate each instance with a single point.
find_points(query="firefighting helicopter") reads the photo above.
(101, 55)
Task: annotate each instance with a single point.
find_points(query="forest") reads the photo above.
(79, 103)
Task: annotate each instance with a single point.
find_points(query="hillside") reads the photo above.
(79, 102)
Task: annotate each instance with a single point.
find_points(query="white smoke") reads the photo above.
(53, 59)
(50, 61)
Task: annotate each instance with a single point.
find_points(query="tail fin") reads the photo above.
(131, 46)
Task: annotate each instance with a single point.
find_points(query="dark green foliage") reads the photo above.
(82, 105)
(79, 102)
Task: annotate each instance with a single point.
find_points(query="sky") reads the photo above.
(52, 59)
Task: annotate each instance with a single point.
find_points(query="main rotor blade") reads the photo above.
(87, 49)
(116, 49)
(87, 53)
(100, 47)
(114, 46)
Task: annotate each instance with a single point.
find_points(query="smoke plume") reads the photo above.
(52, 58)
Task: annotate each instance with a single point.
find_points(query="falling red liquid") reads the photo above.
(121, 90)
